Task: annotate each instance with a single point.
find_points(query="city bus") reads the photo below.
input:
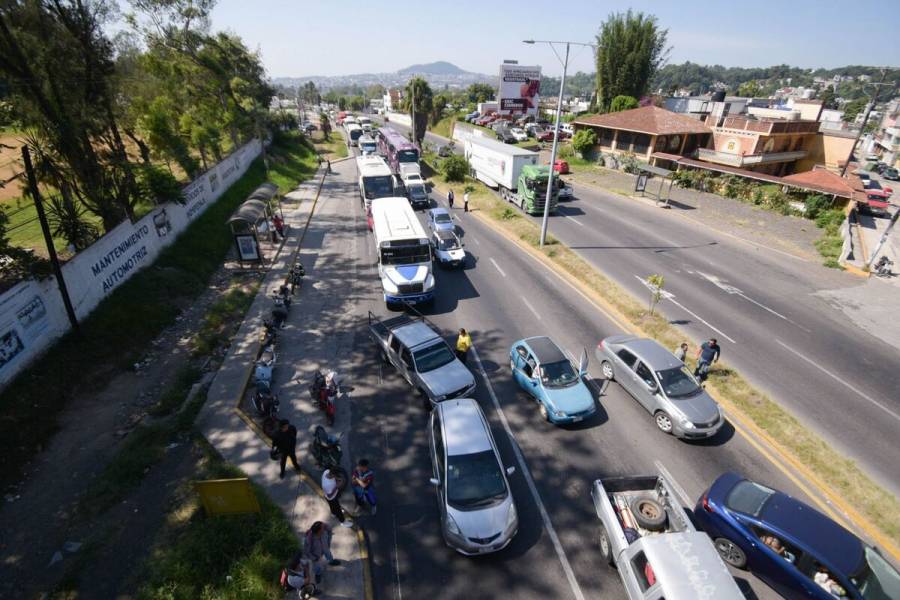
(375, 178)
(404, 253)
(396, 148)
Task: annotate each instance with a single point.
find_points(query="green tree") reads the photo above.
(376, 90)
(454, 168)
(620, 103)
(480, 92)
(749, 89)
(828, 98)
(438, 104)
(656, 283)
(630, 48)
(584, 141)
(853, 108)
(418, 102)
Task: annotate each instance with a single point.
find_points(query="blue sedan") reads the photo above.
(792, 547)
(545, 373)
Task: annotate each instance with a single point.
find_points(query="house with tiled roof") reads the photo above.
(643, 131)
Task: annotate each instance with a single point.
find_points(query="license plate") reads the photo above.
(576, 419)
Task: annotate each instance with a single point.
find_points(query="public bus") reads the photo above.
(404, 253)
(375, 178)
(396, 148)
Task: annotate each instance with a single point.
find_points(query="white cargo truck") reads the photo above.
(513, 171)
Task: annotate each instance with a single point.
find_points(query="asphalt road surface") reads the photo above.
(761, 306)
(500, 297)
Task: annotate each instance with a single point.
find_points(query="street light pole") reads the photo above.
(562, 85)
(865, 120)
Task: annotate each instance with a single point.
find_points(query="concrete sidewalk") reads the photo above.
(232, 432)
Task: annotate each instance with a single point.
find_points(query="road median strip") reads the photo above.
(874, 511)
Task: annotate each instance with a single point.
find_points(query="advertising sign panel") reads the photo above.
(520, 88)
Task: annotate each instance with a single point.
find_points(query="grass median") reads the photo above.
(835, 473)
(120, 329)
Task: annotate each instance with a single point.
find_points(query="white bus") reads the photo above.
(375, 179)
(404, 253)
(354, 132)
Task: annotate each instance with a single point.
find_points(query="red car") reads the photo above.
(544, 136)
(561, 167)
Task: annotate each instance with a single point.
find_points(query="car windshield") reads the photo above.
(408, 156)
(881, 581)
(410, 254)
(442, 218)
(474, 480)
(417, 191)
(558, 374)
(678, 383)
(748, 497)
(447, 243)
(379, 186)
(432, 357)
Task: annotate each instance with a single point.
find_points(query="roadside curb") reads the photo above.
(854, 270)
(786, 458)
(361, 538)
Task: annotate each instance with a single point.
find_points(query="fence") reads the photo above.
(32, 314)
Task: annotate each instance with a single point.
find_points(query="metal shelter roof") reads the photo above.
(250, 212)
(655, 170)
(265, 192)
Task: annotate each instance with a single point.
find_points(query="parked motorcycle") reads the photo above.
(326, 451)
(282, 297)
(882, 268)
(279, 316)
(270, 333)
(324, 391)
(295, 276)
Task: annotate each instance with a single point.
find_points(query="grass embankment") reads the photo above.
(332, 148)
(121, 328)
(444, 127)
(230, 557)
(844, 478)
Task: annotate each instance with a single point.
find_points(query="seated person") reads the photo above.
(827, 582)
(300, 572)
(775, 544)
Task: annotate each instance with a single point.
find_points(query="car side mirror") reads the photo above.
(434, 481)
(510, 470)
(653, 388)
(534, 381)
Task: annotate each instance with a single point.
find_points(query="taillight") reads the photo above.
(705, 503)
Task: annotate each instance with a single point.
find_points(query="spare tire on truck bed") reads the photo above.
(649, 513)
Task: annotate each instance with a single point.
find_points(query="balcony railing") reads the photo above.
(735, 160)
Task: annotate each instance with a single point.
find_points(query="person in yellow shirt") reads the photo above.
(463, 343)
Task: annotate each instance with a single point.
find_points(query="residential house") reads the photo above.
(391, 100)
(643, 131)
(830, 149)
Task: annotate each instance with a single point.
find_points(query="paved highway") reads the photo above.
(502, 296)
(761, 306)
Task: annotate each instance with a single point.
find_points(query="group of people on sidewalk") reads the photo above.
(362, 482)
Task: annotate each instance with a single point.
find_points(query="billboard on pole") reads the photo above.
(520, 89)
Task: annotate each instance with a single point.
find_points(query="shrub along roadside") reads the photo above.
(121, 328)
(844, 477)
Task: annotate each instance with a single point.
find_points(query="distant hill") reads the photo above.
(435, 68)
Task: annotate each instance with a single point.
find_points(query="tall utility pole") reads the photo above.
(865, 119)
(562, 85)
(48, 238)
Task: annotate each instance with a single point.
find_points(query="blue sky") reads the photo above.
(312, 37)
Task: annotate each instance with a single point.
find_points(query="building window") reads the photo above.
(675, 143)
(641, 143)
(606, 137)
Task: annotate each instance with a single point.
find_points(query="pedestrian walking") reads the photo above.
(463, 343)
(285, 443)
(327, 165)
(363, 482)
(707, 354)
(279, 225)
(681, 351)
(317, 548)
(466, 202)
(450, 198)
(332, 493)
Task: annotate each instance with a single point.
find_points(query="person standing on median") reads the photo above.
(332, 492)
(450, 198)
(285, 442)
(681, 351)
(707, 354)
(466, 202)
(463, 344)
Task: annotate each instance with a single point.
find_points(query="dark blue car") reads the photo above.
(795, 549)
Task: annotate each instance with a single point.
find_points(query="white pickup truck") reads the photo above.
(647, 536)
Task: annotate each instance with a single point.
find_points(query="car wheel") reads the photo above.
(522, 205)
(649, 514)
(664, 422)
(606, 547)
(730, 552)
(607, 369)
(543, 410)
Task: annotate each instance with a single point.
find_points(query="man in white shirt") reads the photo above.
(332, 494)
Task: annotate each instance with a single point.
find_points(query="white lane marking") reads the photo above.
(494, 262)
(397, 557)
(576, 221)
(685, 499)
(841, 381)
(699, 318)
(545, 517)
(531, 308)
(730, 289)
(671, 298)
(474, 240)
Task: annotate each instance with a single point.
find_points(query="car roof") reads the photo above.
(415, 333)
(545, 349)
(649, 351)
(445, 234)
(677, 557)
(439, 211)
(465, 429)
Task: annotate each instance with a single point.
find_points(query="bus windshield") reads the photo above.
(379, 186)
(408, 156)
(412, 254)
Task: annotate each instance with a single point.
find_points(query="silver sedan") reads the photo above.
(662, 384)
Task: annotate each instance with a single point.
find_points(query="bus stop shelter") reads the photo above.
(251, 224)
(645, 173)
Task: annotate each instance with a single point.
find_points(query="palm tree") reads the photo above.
(419, 103)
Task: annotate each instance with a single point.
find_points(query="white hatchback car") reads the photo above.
(519, 134)
(439, 219)
(448, 250)
(478, 514)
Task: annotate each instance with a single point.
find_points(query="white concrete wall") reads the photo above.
(32, 314)
(402, 118)
(464, 131)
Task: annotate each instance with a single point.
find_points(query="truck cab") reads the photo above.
(531, 191)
